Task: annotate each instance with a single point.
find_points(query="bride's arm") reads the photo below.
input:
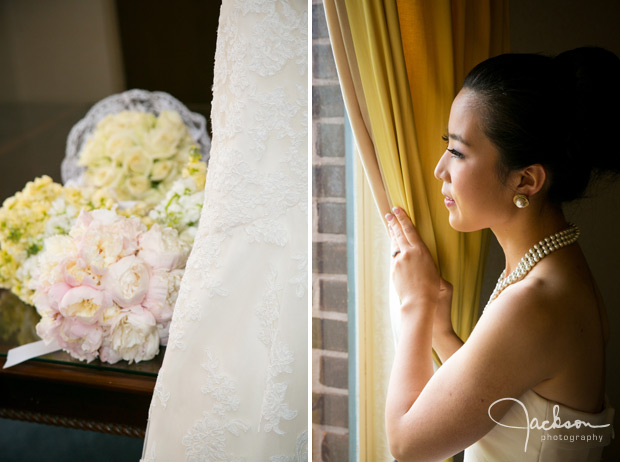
(445, 340)
(431, 417)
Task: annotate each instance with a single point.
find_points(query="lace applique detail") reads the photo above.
(264, 197)
(269, 309)
(300, 280)
(274, 406)
(159, 395)
(206, 440)
(280, 358)
(255, 206)
(204, 259)
(201, 264)
(162, 395)
(301, 451)
(176, 332)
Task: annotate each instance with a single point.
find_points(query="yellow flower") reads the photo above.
(196, 169)
(23, 227)
(8, 268)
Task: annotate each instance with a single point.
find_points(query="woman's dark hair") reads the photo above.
(561, 112)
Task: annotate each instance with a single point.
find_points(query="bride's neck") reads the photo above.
(527, 228)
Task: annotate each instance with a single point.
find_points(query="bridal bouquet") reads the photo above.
(102, 257)
(108, 288)
(137, 155)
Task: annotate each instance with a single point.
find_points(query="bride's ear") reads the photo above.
(530, 180)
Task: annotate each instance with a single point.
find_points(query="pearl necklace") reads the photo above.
(534, 255)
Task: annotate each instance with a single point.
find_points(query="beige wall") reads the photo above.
(59, 51)
(552, 26)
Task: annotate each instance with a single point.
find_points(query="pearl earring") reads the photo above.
(521, 201)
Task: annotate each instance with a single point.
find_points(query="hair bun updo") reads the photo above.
(561, 112)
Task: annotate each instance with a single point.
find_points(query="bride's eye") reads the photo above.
(455, 153)
(452, 151)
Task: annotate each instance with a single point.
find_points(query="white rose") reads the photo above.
(161, 170)
(105, 175)
(163, 140)
(134, 120)
(162, 248)
(118, 144)
(133, 337)
(137, 185)
(92, 152)
(170, 120)
(137, 161)
(127, 281)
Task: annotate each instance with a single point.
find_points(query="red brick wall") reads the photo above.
(329, 297)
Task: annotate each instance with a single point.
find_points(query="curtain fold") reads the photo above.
(376, 348)
(400, 65)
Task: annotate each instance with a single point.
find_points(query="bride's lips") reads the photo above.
(448, 200)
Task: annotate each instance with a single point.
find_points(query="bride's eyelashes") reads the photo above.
(455, 153)
(452, 151)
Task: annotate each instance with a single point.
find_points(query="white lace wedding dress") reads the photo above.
(234, 384)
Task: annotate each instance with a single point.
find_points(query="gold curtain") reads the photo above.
(400, 65)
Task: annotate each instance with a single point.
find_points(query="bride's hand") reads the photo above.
(416, 278)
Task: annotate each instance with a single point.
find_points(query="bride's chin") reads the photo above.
(458, 225)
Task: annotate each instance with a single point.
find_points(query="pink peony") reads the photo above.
(162, 294)
(109, 287)
(47, 302)
(162, 248)
(84, 304)
(133, 336)
(48, 328)
(127, 281)
(81, 340)
(76, 272)
(103, 237)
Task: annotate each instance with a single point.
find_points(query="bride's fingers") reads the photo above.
(394, 245)
(398, 238)
(409, 231)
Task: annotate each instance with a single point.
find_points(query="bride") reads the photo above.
(234, 383)
(524, 136)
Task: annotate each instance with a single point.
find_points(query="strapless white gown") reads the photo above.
(506, 444)
(234, 382)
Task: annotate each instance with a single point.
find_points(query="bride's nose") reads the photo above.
(441, 171)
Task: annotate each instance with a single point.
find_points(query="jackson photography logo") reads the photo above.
(531, 424)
